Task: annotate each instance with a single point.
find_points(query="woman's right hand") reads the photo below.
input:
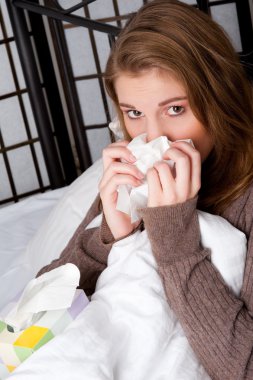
(118, 173)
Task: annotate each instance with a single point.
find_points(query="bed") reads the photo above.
(33, 232)
(117, 335)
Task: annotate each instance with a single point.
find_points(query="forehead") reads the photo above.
(150, 84)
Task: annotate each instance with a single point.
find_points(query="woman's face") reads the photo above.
(155, 103)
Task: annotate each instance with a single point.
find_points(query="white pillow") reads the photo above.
(53, 235)
(62, 222)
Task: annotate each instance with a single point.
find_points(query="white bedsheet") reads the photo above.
(128, 330)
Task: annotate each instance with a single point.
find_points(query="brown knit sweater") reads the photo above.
(218, 325)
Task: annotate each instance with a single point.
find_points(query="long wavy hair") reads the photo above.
(174, 36)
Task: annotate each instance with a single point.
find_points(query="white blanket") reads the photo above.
(128, 331)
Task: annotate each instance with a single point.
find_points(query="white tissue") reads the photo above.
(130, 199)
(53, 290)
(116, 128)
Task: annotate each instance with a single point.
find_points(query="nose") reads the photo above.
(153, 129)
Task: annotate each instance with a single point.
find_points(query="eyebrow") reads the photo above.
(175, 99)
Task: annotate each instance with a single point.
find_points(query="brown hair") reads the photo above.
(179, 38)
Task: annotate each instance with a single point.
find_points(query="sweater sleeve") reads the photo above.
(88, 249)
(218, 325)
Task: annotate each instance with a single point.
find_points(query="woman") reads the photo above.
(173, 72)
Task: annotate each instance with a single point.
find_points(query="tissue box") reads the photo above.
(16, 347)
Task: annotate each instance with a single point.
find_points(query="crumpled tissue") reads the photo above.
(53, 290)
(130, 199)
(116, 128)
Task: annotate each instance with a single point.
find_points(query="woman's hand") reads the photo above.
(118, 173)
(171, 186)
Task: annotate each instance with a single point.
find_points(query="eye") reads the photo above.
(134, 114)
(175, 110)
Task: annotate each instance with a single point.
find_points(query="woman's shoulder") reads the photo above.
(247, 197)
(247, 211)
(248, 207)
(240, 212)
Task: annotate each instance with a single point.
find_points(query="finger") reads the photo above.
(120, 168)
(154, 187)
(195, 158)
(109, 188)
(117, 152)
(165, 175)
(183, 170)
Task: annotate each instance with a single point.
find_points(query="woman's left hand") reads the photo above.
(167, 186)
